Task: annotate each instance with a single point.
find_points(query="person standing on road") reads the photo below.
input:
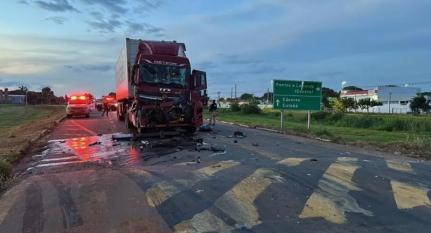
(105, 108)
(213, 112)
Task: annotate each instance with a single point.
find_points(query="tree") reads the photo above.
(112, 94)
(352, 88)
(365, 104)
(374, 103)
(337, 104)
(247, 96)
(267, 96)
(326, 94)
(23, 89)
(349, 103)
(420, 103)
(47, 95)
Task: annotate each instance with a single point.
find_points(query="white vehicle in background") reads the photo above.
(79, 105)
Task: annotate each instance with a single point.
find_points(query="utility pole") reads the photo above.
(231, 93)
(235, 93)
(267, 96)
(218, 99)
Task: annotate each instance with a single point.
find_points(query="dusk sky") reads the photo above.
(73, 45)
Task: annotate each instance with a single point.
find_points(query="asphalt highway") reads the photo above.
(218, 181)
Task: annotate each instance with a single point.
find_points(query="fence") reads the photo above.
(12, 99)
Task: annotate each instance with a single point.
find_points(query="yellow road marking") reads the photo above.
(203, 222)
(400, 166)
(160, 192)
(331, 200)
(409, 196)
(220, 166)
(238, 203)
(164, 190)
(291, 162)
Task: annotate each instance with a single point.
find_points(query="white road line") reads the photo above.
(60, 159)
(59, 164)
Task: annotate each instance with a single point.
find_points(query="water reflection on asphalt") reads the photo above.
(106, 149)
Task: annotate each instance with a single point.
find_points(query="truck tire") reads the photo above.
(190, 130)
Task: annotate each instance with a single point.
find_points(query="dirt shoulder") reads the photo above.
(21, 128)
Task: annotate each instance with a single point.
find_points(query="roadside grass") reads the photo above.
(18, 126)
(406, 134)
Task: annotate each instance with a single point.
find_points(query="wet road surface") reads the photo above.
(263, 182)
(93, 126)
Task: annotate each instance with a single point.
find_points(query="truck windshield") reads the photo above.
(164, 74)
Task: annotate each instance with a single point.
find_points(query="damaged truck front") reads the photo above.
(157, 92)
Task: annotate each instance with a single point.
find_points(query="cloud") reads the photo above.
(139, 28)
(239, 60)
(105, 26)
(56, 5)
(123, 6)
(90, 67)
(56, 19)
(13, 68)
(23, 2)
(9, 84)
(114, 6)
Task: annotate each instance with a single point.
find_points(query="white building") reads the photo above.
(394, 99)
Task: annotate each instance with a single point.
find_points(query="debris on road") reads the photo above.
(238, 134)
(313, 160)
(235, 141)
(255, 144)
(324, 139)
(122, 137)
(217, 148)
(205, 128)
(94, 143)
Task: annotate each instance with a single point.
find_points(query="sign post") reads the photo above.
(297, 95)
(281, 119)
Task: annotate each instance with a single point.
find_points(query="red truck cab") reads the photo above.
(163, 94)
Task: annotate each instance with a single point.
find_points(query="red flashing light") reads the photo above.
(82, 97)
(73, 97)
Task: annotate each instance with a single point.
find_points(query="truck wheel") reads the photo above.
(190, 130)
(69, 116)
(87, 116)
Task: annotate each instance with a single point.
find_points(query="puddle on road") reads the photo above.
(116, 149)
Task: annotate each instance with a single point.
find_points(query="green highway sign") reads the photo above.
(297, 95)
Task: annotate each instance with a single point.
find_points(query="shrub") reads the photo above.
(234, 107)
(323, 132)
(250, 109)
(5, 170)
(320, 115)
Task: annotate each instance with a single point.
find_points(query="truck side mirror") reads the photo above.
(199, 80)
(133, 74)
